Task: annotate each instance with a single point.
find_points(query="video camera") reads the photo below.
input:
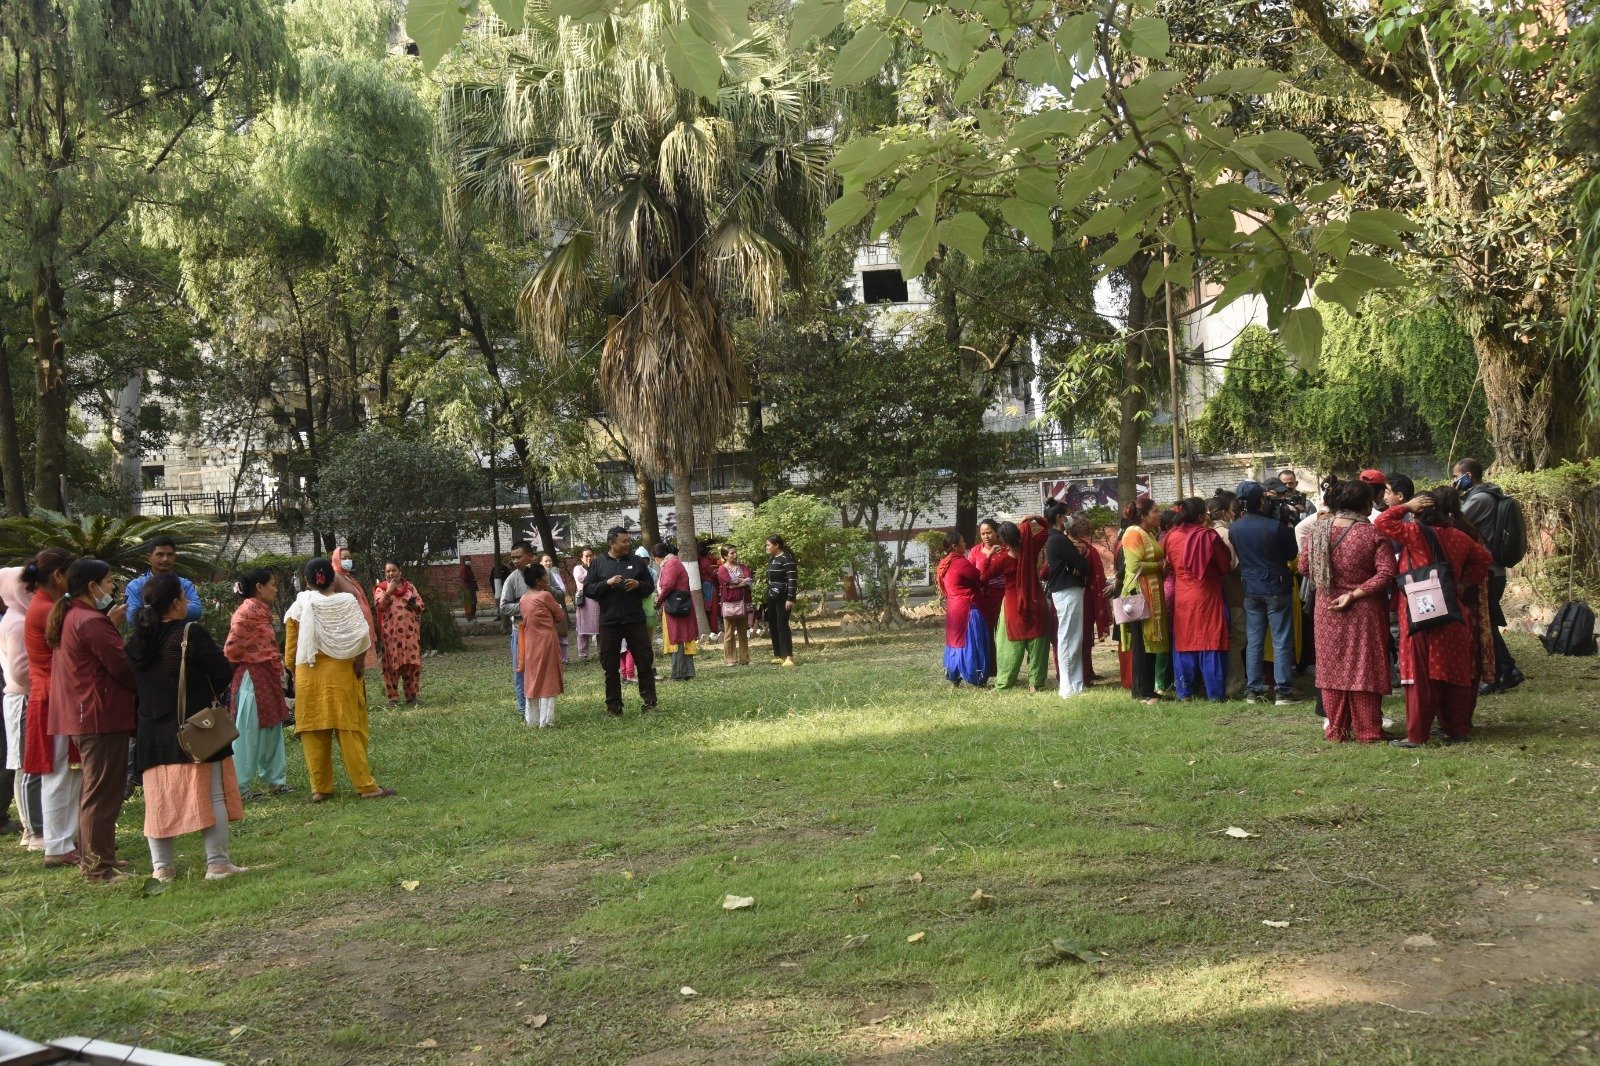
(1285, 505)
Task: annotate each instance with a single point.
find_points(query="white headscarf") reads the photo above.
(329, 625)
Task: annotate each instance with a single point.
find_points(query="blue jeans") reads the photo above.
(1258, 611)
(516, 676)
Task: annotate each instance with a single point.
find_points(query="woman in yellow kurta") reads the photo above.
(326, 637)
(1142, 561)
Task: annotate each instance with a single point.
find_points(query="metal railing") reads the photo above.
(217, 504)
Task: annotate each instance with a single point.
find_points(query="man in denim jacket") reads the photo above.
(1266, 547)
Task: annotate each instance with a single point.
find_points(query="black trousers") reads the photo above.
(778, 624)
(1143, 685)
(1503, 662)
(642, 644)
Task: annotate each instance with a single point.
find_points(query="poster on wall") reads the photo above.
(560, 528)
(1084, 493)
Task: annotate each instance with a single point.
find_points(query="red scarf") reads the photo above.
(252, 647)
(1024, 596)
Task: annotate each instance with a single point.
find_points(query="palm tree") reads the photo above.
(121, 542)
(655, 205)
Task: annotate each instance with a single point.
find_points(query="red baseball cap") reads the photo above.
(1374, 477)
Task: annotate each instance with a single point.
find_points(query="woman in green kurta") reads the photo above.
(1142, 561)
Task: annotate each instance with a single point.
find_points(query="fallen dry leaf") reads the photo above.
(858, 901)
(916, 878)
(538, 1021)
(430, 1042)
(1060, 950)
(1273, 924)
(853, 942)
(1421, 940)
(627, 875)
(916, 938)
(737, 903)
(237, 1030)
(1056, 783)
(687, 991)
(410, 886)
(1239, 834)
(1193, 761)
(981, 900)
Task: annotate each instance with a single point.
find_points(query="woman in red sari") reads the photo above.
(966, 646)
(1440, 667)
(995, 563)
(1352, 566)
(1096, 596)
(1199, 558)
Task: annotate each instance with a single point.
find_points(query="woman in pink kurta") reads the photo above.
(588, 611)
(1199, 558)
(1440, 668)
(1352, 567)
(397, 607)
(539, 647)
(681, 632)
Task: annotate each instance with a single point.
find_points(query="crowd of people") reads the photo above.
(1380, 586)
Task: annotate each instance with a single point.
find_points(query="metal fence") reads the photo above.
(221, 505)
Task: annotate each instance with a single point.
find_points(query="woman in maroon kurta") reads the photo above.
(1096, 598)
(1199, 558)
(681, 632)
(966, 648)
(1352, 566)
(995, 564)
(1440, 667)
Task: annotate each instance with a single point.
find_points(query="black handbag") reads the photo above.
(678, 603)
(203, 734)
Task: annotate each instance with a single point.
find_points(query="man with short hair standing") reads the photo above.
(1065, 577)
(1265, 547)
(1481, 503)
(512, 589)
(163, 558)
(619, 581)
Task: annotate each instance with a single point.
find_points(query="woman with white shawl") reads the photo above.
(326, 636)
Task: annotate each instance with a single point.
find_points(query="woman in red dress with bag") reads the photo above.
(1440, 666)
(733, 593)
(1352, 567)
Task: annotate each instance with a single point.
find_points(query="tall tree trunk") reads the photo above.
(1534, 419)
(755, 444)
(16, 483)
(649, 509)
(129, 456)
(50, 363)
(966, 487)
(1135, 373)
(530, 478)
(688, 546)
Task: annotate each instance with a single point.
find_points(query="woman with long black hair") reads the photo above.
(181, 796)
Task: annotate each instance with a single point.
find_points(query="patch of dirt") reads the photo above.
(1508, 935)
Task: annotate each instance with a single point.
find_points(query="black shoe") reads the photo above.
(615, 712)
(1486, 689)
(647, 708)
(1511, 680)
(1405, 744)
(1457, 740)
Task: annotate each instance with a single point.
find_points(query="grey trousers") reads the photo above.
(216, 837)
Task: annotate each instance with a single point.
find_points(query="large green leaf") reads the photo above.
(846, 211)
(814, 18)
(694, 64)
(965, 232)
(979, 75)
(1036, 186)
(510, 11)
(862, 57)
(1243, 80)
(1148, 37)
(1379, 227)
(1032, 219)
(917, 244)
(436, 27)
(1043, 65)
(1302, 335)
(719, 21)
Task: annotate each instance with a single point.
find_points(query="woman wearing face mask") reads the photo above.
(91, 703)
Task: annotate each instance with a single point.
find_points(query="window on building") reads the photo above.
(153, 477)
(883, 287)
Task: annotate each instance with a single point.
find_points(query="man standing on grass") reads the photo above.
(163, 557)
(1265, 548)
(619, 582)
(1067, 573)
(510, 608)
(1499, 523)
(469, 589)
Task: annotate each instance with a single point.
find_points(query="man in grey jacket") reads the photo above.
(1479, 501)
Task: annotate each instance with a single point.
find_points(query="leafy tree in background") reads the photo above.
(664, 180)
(824, 550)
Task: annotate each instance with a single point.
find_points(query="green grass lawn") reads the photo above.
(568, 884)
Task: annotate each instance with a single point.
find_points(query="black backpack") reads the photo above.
(1571, 631)
(1507, 535)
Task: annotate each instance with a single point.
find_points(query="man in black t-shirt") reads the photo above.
(619, 581)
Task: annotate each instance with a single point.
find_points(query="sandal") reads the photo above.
(222, 873)
(321, 797)
(382, 793)
(165, 874)
(280, 790)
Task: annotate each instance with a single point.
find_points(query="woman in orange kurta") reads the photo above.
(1199, 558)
(539, 646)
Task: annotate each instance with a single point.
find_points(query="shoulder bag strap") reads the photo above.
(183, 678)
(1435, 549)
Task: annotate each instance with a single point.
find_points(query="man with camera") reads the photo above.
(1266, 547)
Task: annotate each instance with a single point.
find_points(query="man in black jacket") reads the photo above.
(619, 581)
(1480, 500)
(1067, 571)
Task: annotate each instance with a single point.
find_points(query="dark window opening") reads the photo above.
(154, 477)
(883, 287)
